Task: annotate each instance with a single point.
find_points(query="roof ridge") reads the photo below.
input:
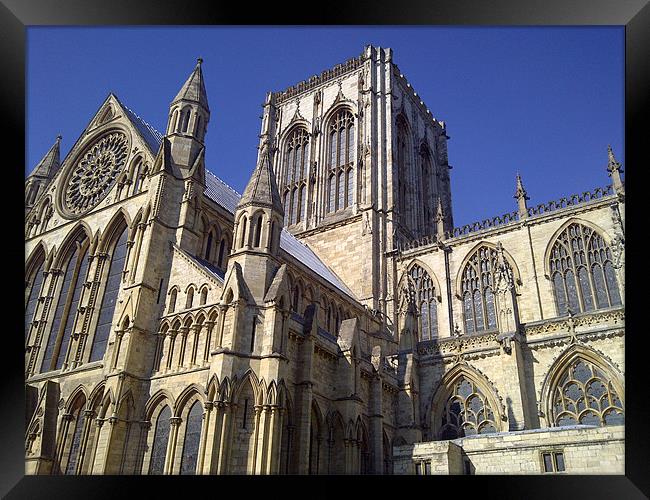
(222, 181)
(151, 128)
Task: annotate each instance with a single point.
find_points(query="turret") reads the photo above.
(258, 223)
(189, 115)
(42, 174)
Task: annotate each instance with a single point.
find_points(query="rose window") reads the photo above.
(96, 171)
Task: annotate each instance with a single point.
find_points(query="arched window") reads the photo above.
(204, 296)
(185, 120)
(208, 247)
(136, 177)
(466, 412)
(65, 313)
(258, 232)
(422, 294)
(192, 439)
(295, 299)
(160, 438)
(74, 435)
(113, 281)
(35, 284)
(585, 395)
(341, 155)
(403, 167)
(427, 178)
(582, 271)
(189, 301)
(296, 165)
(222, 249)
(197, 127)
(242, 239)
(478, 290)
(172, 300)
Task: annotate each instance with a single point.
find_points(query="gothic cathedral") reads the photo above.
(331, 319)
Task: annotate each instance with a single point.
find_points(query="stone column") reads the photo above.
(258, 447)
(66, 418)
(226, 432)
(174, 422)
(183, 330)
(205, 429)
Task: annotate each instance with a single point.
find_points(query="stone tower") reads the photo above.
(42, 174)
(361, 164)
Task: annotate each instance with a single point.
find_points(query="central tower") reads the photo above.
(360, 164)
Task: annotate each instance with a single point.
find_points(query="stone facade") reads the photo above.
(331, 319)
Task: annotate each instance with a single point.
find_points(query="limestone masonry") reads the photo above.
(329, 320)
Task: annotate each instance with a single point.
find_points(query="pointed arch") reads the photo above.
(81, 230)
(190, 392)
(582, 386)
(579, 263)
(72, 400)
(119, 221)
(465, 402)
(250, 377)
(213, 387)
(492, 246)
(160, 397)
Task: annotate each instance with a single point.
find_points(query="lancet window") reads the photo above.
(582, 271)
(76, 269)
(340, 161)
(192, 439)
(113, 282)
(421, 294)
(296, 171)
(34, 291)
(161, 436)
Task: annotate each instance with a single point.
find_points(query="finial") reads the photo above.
(59, 137)
(614, 171)
(199, 61)
(521, 196)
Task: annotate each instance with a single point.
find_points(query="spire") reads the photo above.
(521, 196)
(50, 163)
(614, 170)
(262, 189)
(194, 88)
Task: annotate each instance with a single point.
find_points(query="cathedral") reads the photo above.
(331, 319)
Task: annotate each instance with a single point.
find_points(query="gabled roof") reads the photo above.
(151, 136)
(222, 194)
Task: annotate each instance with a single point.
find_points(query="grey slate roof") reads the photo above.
(152, 137)
(219, 192)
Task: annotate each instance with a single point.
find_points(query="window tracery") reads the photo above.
(582, 271)
(477, 289)
(585, 395)
(466, 412)
(109, 301)
(67, 305)
(420, 294)
(341, 154)
(296, 169)
(92, 177)
(34, 285)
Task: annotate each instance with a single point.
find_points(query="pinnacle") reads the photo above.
(194, 87)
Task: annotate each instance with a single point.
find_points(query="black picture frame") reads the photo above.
(16, 15)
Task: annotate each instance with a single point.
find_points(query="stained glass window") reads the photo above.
(192, 439)
(32, 298)
(297, 168)
(422, 293)
(477, 290)
(466, 412)
(72, 276)
(582, 272)
(160, 438)
(113, 281)
(341, 160)
(584, 395)
(76, 442)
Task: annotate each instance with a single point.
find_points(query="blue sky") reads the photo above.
(544, 102)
